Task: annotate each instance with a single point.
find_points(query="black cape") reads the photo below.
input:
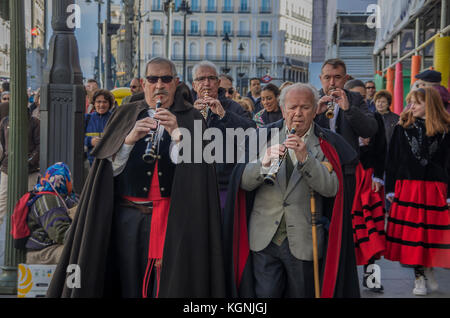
(238, 259)
(193, 259)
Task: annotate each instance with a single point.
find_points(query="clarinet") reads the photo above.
(151, 151)
(273, 171)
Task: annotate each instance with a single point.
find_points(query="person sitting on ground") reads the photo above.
(271, 112)
(95, 122)
(48, 216)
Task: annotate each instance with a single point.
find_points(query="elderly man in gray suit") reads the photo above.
(280, 234)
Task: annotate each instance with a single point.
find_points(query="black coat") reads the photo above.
(353, 123)
(192, 263)
(238, 259)
(235, 117)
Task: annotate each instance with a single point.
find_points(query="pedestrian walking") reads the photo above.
(417, 179)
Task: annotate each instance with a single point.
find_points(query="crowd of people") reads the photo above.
(350, 182)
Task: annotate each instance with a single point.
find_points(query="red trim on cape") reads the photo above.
(241, 245)
(335, 230)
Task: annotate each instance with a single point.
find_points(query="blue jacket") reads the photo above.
(95, 124)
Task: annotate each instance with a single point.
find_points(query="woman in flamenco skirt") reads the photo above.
(368, 212)
(417, 180)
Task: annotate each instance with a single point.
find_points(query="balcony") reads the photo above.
(265, 10)
(244, 10)
(230, 33)
(228, 9)
(243, 34)
(213, 58)
(211, 9)
(264, 34)
(210, 33)
(157, 32)
(194, 33)
(177, 33)
(301, 17)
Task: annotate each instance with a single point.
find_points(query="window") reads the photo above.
(177, 27)
(264, 27)
(209, 51)
(265, 6)
(156, 49)
(193, 50)
(194, 27)
(156, 5)
(264, 50)
(177, 4)
(211, 5)
(227, 6)
(195, 6)
(210, 28)
(157, 27)
(227, 27)
(177, 50)
(244, 6)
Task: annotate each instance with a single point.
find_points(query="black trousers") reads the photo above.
(131, 235)
(279, 274)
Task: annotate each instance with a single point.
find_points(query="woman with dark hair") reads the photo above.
(383, 100)
(95, 122)
(271, 112)
(417, 179)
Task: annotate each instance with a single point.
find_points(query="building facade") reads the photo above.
(267, 39)
(35, 20)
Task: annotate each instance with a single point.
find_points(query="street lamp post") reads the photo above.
(168, 9)
(139, 17)
(241, 70)
(99, 37)
(227, 40)
(259, 61)
(186, 9)
(17, 143)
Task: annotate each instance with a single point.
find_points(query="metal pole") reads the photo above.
(99, 51)
(399, 45)
(108, 71)
(443, 15)
(417, 35)
(139, 41)
(184, 44)
(17, 143)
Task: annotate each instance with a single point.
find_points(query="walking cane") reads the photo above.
(314, 242)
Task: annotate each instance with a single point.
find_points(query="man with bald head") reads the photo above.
(279, 228)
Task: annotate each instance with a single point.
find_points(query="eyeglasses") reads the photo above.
(204, 78)
(370, 87)
(165, 79)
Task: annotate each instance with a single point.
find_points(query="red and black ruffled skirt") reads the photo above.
(368, 218)
(418, 229)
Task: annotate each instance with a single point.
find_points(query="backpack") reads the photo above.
(19, 226)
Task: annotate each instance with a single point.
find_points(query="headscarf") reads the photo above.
(57, 177)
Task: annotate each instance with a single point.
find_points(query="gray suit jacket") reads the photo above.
(293, 201)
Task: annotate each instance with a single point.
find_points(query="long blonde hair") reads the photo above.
(437, 120)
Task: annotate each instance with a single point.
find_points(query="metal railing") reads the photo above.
(265, 10)
(227, 9)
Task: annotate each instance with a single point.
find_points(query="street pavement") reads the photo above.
(398, 282)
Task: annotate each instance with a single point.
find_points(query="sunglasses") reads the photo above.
(165, 79)
(133, 86)
(230, 91)
(370, 87)
(204, 78)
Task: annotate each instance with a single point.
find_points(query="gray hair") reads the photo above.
(204, 64)
(162, 60)
(299, 87)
